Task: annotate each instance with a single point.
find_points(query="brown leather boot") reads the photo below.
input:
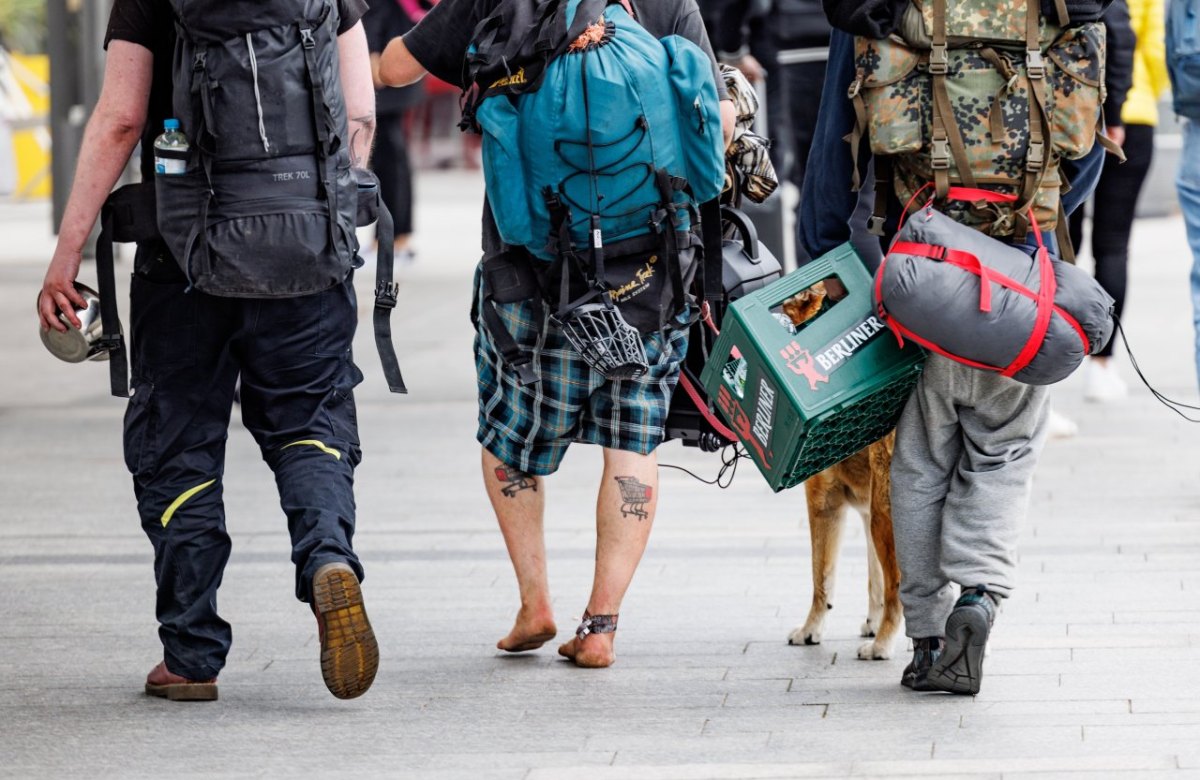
(166, 684)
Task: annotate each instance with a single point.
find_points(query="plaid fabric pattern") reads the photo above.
(530, 428)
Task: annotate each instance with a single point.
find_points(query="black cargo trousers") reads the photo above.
(297, 382)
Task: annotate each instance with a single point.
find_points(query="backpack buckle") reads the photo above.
(306, 38)
(875, 225)
(855, 86)
(940, 158)
(939, 60)
(387, 295)
(1035, 158)
(1035, 64)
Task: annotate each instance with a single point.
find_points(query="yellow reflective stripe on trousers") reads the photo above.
(183, 498)
(319, 445)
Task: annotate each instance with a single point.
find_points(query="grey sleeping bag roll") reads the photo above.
(929, 289)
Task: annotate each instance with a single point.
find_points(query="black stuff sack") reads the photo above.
(987, 304)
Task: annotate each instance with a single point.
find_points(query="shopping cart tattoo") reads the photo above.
(634, 497)
(515, 481)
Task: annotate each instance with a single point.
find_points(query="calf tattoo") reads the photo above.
(514, 481)
(634, 497)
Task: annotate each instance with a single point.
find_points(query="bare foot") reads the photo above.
(532, 629)
(594, 651)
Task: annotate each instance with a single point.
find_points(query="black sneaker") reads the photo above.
(925, 653)
(960, 668)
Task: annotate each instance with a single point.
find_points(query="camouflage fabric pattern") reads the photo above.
(1077, 71)
(987, 20)
(988, 89)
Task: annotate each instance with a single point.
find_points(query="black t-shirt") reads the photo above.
(441, 39)
(151, 25)
(387, 20)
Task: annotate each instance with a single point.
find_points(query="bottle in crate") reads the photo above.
(802, 397)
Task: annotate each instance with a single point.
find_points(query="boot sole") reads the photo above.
(349, 652)
(183, 691)
(960, 669)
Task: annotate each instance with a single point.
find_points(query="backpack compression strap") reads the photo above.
(128, 215)
(386, 291)
(112, 340)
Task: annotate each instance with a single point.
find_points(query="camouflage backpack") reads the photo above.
(979, 93)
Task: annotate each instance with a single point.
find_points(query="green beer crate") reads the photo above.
(802, 399)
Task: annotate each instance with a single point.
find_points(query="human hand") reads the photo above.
(58, 291)
(1116, 134)
(750, 67)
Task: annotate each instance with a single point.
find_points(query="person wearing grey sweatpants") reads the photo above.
(966, 447)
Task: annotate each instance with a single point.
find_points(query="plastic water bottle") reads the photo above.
(170, 150)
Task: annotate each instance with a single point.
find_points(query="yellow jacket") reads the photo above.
(1150, 78)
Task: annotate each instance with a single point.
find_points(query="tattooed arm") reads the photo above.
(354, 59)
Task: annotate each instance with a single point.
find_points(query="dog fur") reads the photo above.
(862, 481)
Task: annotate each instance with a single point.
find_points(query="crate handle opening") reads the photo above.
(798, 310)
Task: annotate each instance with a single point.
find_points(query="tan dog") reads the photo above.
(862, 481)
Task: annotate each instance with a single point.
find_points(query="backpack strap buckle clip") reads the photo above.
(1035, 64)
(1035, 159)
(523, 367)
(939, 159)
(939, 59)
(875, 225)
(306, 38)
(387, 295)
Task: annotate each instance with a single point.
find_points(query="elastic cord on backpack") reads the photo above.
(262, 127)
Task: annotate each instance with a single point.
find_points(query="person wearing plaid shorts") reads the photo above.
(526, 430)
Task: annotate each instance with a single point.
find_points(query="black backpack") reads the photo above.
(267, 205)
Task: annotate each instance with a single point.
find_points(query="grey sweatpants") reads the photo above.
(966, 448)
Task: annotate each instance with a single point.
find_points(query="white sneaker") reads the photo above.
(1060, 426)
(1103, 382)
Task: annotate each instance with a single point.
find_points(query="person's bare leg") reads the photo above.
(519, 502)
(624, 513)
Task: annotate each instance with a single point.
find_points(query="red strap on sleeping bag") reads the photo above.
(1044, 297)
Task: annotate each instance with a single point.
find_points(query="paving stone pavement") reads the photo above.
(1095, 668)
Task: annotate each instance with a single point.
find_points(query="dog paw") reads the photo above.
(875, 651)
(804, 635)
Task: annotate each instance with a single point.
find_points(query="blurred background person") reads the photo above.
(386, 20)
(1183, 50)
(785, 42)
(1135, 27)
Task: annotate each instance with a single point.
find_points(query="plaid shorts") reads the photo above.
(530, 428)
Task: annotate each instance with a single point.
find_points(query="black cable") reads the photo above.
(1171, 404)
(728, 470)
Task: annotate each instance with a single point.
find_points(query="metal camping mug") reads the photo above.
(83, 343)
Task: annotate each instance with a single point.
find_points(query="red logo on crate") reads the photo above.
(742, 425)
(802, 363)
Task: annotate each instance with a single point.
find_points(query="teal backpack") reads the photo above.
(599, 143)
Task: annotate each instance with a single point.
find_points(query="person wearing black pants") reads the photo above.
(1113, 212)
(1135, 77)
